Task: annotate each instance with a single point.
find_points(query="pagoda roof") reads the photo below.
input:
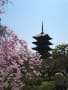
(42, 36)
(45, 42)
(42, 48)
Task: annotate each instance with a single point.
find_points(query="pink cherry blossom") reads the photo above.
(17, 62)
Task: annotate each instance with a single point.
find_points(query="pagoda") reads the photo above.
(43, 44)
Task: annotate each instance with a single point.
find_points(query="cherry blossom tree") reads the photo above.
(17, 63)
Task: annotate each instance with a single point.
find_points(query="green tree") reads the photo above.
(60, 50)
(60, 56)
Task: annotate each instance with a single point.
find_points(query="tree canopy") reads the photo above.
(60, 50)
(60, 56)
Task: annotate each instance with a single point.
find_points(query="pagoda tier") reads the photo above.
(41, 48)
(44, 42)
(42, 36)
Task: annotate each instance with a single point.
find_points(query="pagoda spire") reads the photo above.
(42, 28)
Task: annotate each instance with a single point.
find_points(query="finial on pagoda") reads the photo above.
(42, 28)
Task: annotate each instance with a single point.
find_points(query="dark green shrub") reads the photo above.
(35, 81)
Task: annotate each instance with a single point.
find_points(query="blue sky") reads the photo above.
(25, 18)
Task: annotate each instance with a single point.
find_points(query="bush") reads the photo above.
(48, 85)
(35, 81)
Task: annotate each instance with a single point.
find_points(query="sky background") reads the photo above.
(25, 18)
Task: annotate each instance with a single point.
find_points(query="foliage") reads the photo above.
(60, 50)
(60, 57)
(47, 85)
(17, 63)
